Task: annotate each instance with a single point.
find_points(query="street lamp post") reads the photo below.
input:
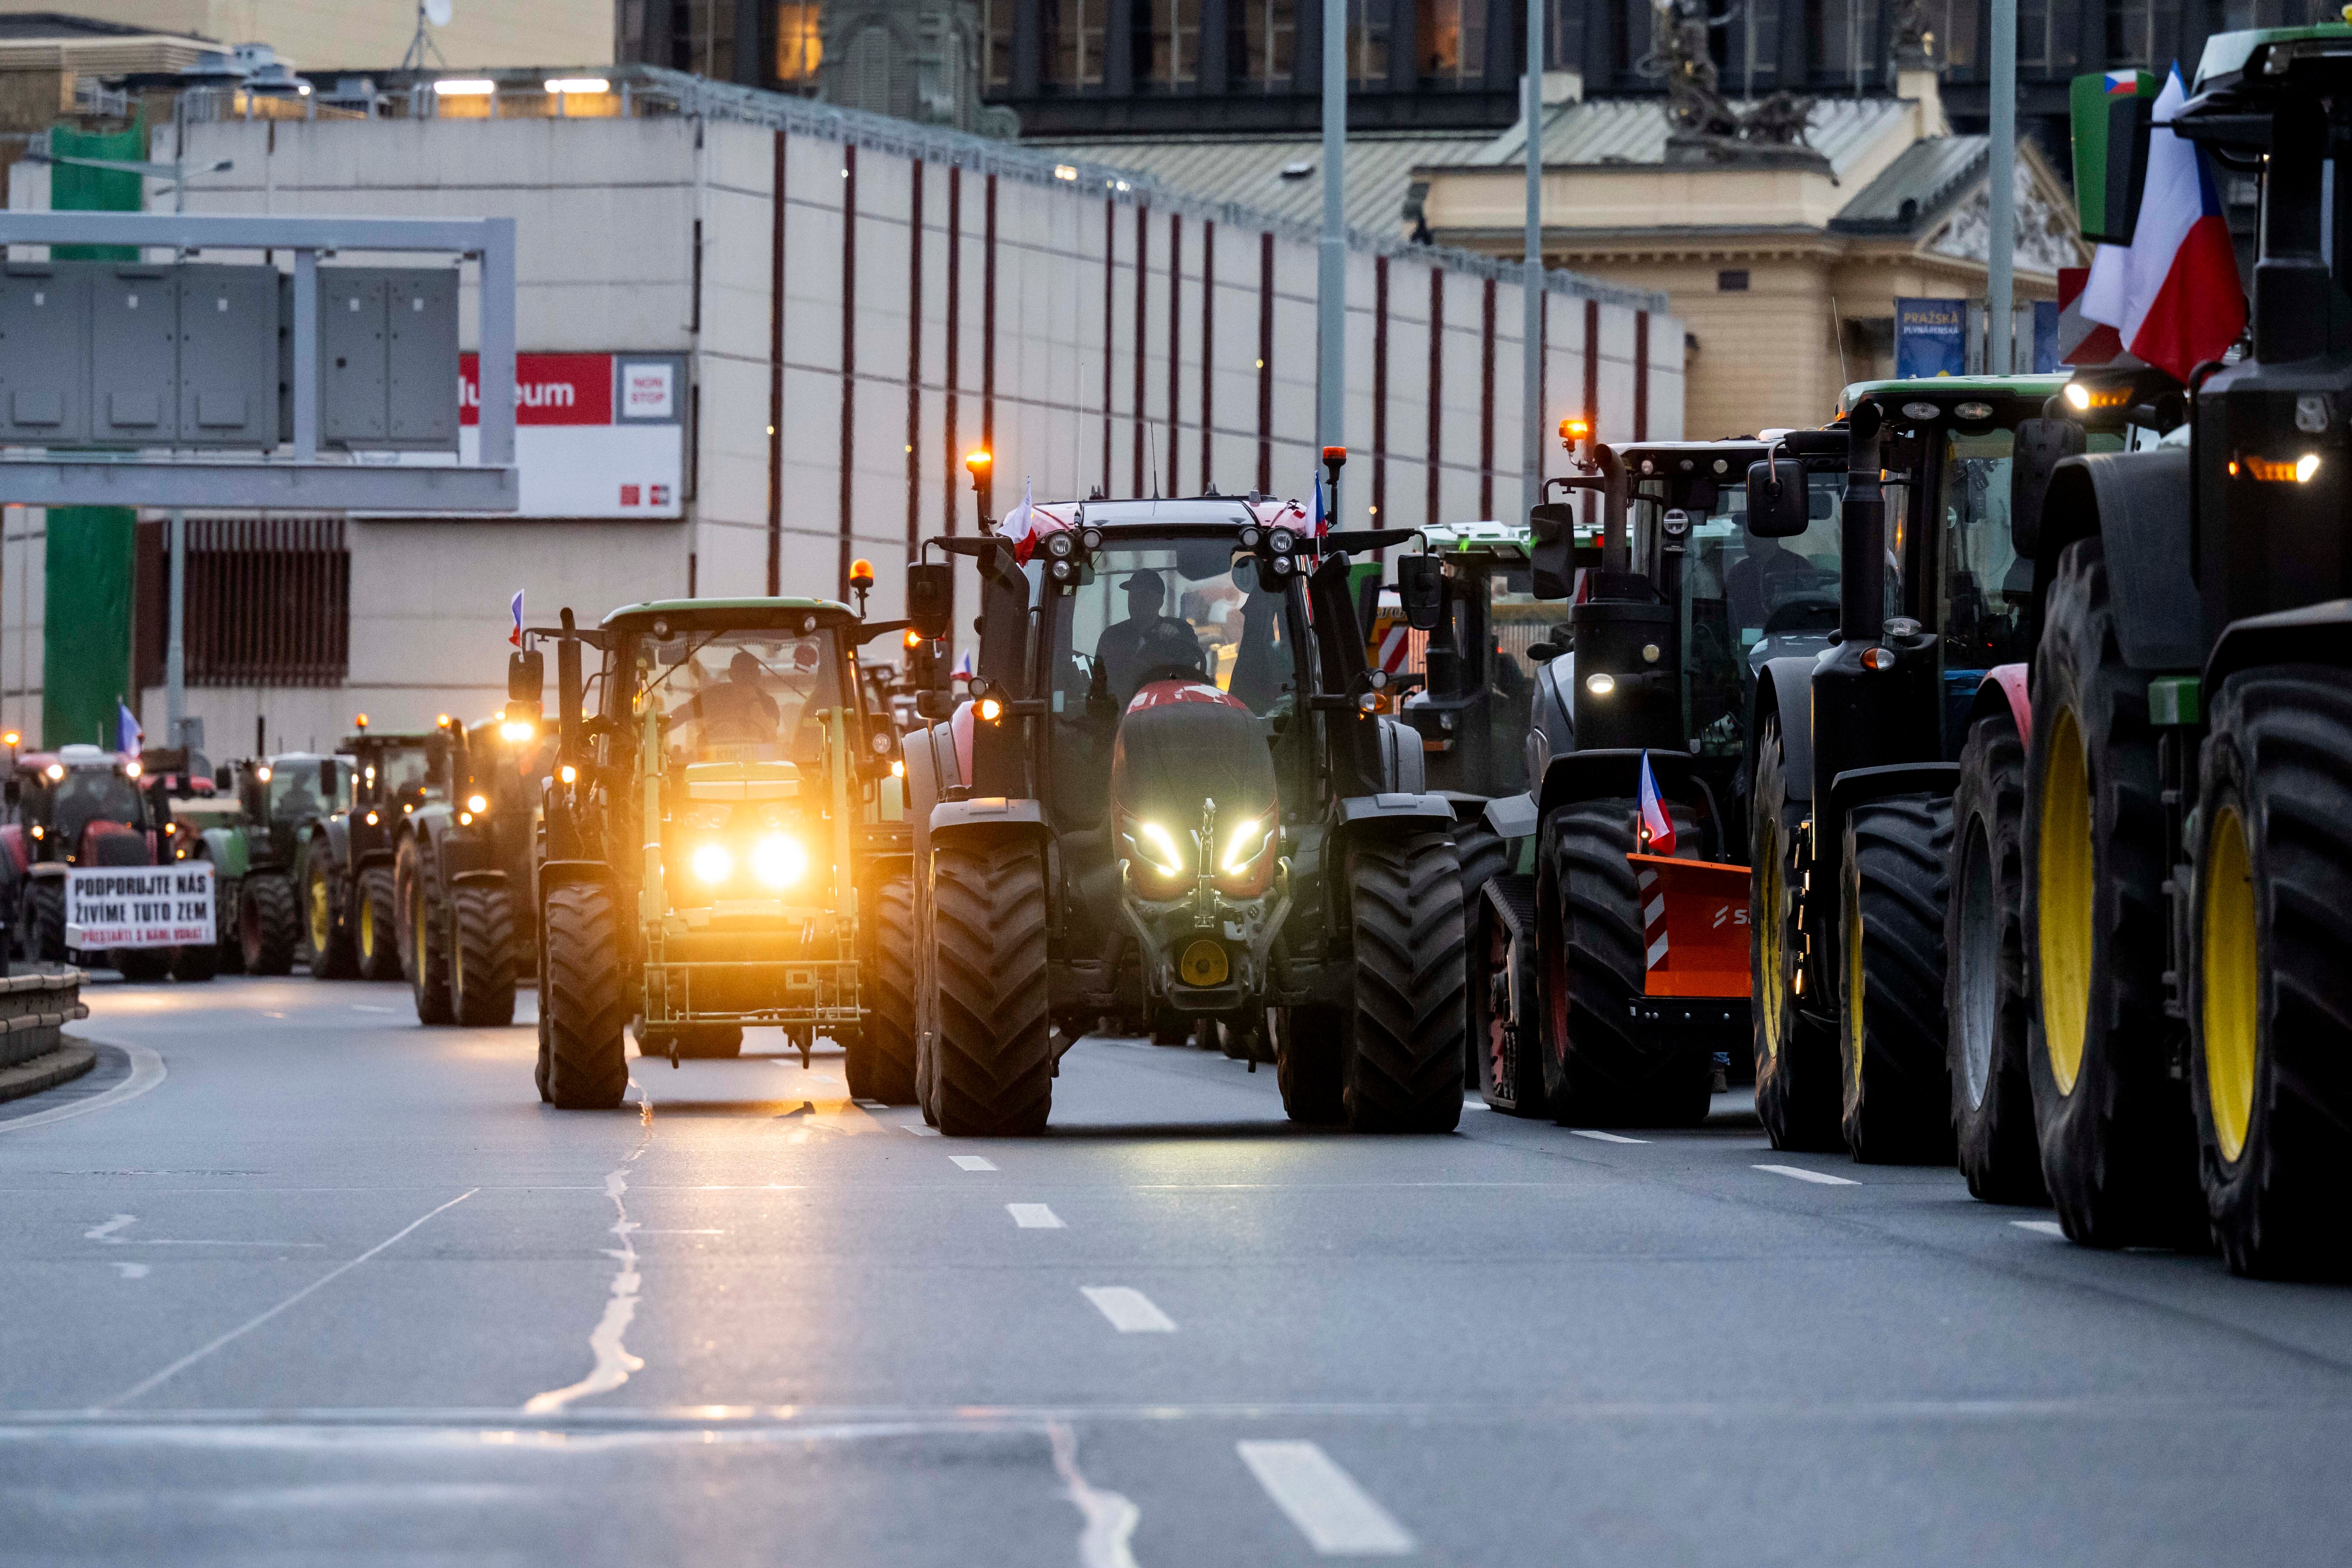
(1999, 292)
(1331, 281)
(1531, 414)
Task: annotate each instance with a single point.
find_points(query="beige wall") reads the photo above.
(325, 35)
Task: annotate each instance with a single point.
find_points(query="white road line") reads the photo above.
(148, 1385)
(2042, 1227)
(612, 1362)
(364, 1007)
(146, 1072)
(131, 1270)
(1130, 1311)
(1110, 1518)
(919, 1130)
(1599, 1137)
(972, 1163)
(1800, 1174)
(105, 1233)
(1034, 1217)
(1335, 1515)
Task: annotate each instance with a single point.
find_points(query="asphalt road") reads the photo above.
(289, 1279)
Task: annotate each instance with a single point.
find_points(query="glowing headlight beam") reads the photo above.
(778, 861)
(1248, 840)
(712, 863)
(1160, 839)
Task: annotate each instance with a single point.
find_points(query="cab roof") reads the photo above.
(702, 612)
(2228, 56)
(1959, 388)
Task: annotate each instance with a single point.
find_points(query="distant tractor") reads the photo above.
(258, 857)
(462, 860)
(1166, 795)
(181, 800)
(349, 895)
(724, 844)
(79, 805)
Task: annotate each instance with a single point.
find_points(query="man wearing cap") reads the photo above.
(1146, 641)
(735, 711)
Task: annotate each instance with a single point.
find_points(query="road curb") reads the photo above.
(65, 1063)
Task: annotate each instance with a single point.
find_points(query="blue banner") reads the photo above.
(1930, 337)
(2045, 336)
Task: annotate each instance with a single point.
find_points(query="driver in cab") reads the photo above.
(1146, 641)
(735, 711)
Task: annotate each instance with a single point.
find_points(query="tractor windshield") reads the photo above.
(303, 787)
(399, 770)
(1745, 597)
(747, 696)
(94, 794)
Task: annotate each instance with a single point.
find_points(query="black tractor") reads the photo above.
(350, 898)
(462, 865)
(1173, 792)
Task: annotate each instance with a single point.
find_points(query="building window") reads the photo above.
(1846, 36)
(2142, 32)
(1564, 36)
(1167, 44)
(269, 601)
(996, 43)
(1453, 42)
(2045, 38)
(1732, 281)
(1074, 44)
(1952, 33)
(1368, 43)
(1266, 32)
(800, 42)
(1753, 40)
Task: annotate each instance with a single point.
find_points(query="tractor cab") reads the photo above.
(397, 773)
(79, 805)
(284, 795)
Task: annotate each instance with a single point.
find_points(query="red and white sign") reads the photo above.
(596, 435)
(140, 906)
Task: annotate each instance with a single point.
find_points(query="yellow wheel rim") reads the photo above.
(367, 930)
(2229, 981)
(1853, 987)
(2065, 872)
(319, 913)
(1770, 940)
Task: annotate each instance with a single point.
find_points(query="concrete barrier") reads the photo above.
(34, 1009)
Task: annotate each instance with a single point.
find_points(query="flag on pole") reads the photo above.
(514, 607)
(1657, 823)
(128, 736)
(2173, 294)
(1028, 523)
(1319, 523)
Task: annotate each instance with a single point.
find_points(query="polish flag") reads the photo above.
(1025, 524)
(2173, 295)
(1657, 823)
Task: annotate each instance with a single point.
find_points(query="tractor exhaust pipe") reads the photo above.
(1862, 593)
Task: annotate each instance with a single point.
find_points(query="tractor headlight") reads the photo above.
(1248, 842)
(518, 731)
(779, 861)
(1600, 683)
(477, 803)
(712, 863)
(1160, 846)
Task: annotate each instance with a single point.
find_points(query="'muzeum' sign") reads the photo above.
(140, 906)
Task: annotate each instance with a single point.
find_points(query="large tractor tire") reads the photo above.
(1483, 855)
(880, 1063)
(586, 1001)
(425, 934)
(540, 1068)
(1310, 1064)
(45, 921)
(1601, 1068)
(2270, 1067)
(2118, 1147)
(195, 965)
(331, 954)
(229, 952)
(994, 1074)
(1406, 1027)
(1985, 1001)
(482, 955)
(268, 922)
(375, 937)
(1506, 998)
(1898, 1088)
(1798, 1096)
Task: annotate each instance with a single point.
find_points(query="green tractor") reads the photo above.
(350, 897)
(258, 852)
(723, 844)
(1174, 792)
(2187, 769)
(461, 853)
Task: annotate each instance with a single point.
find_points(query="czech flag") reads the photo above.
(514, 608)
(1025, 524)
(1319, 522)
(1657, 823)
(2173, 296)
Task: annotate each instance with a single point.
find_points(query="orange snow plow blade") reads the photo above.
(1694, 926)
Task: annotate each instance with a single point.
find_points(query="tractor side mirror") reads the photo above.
(15, 791)
(1776, 499)
(1420, 585)
(1544, 652)
(327, 781)
(2040, 445)
(934, 705)
(527, 679)
(1551, 554)
(930, 597)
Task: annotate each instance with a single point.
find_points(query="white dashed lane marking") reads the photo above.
(2042, 1227)
(1335, 1515)
(972, 1163)
(1800, 1174)
(1034, 1217)
(919, 1130)
(1130, 1311)
(1599, 1137)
